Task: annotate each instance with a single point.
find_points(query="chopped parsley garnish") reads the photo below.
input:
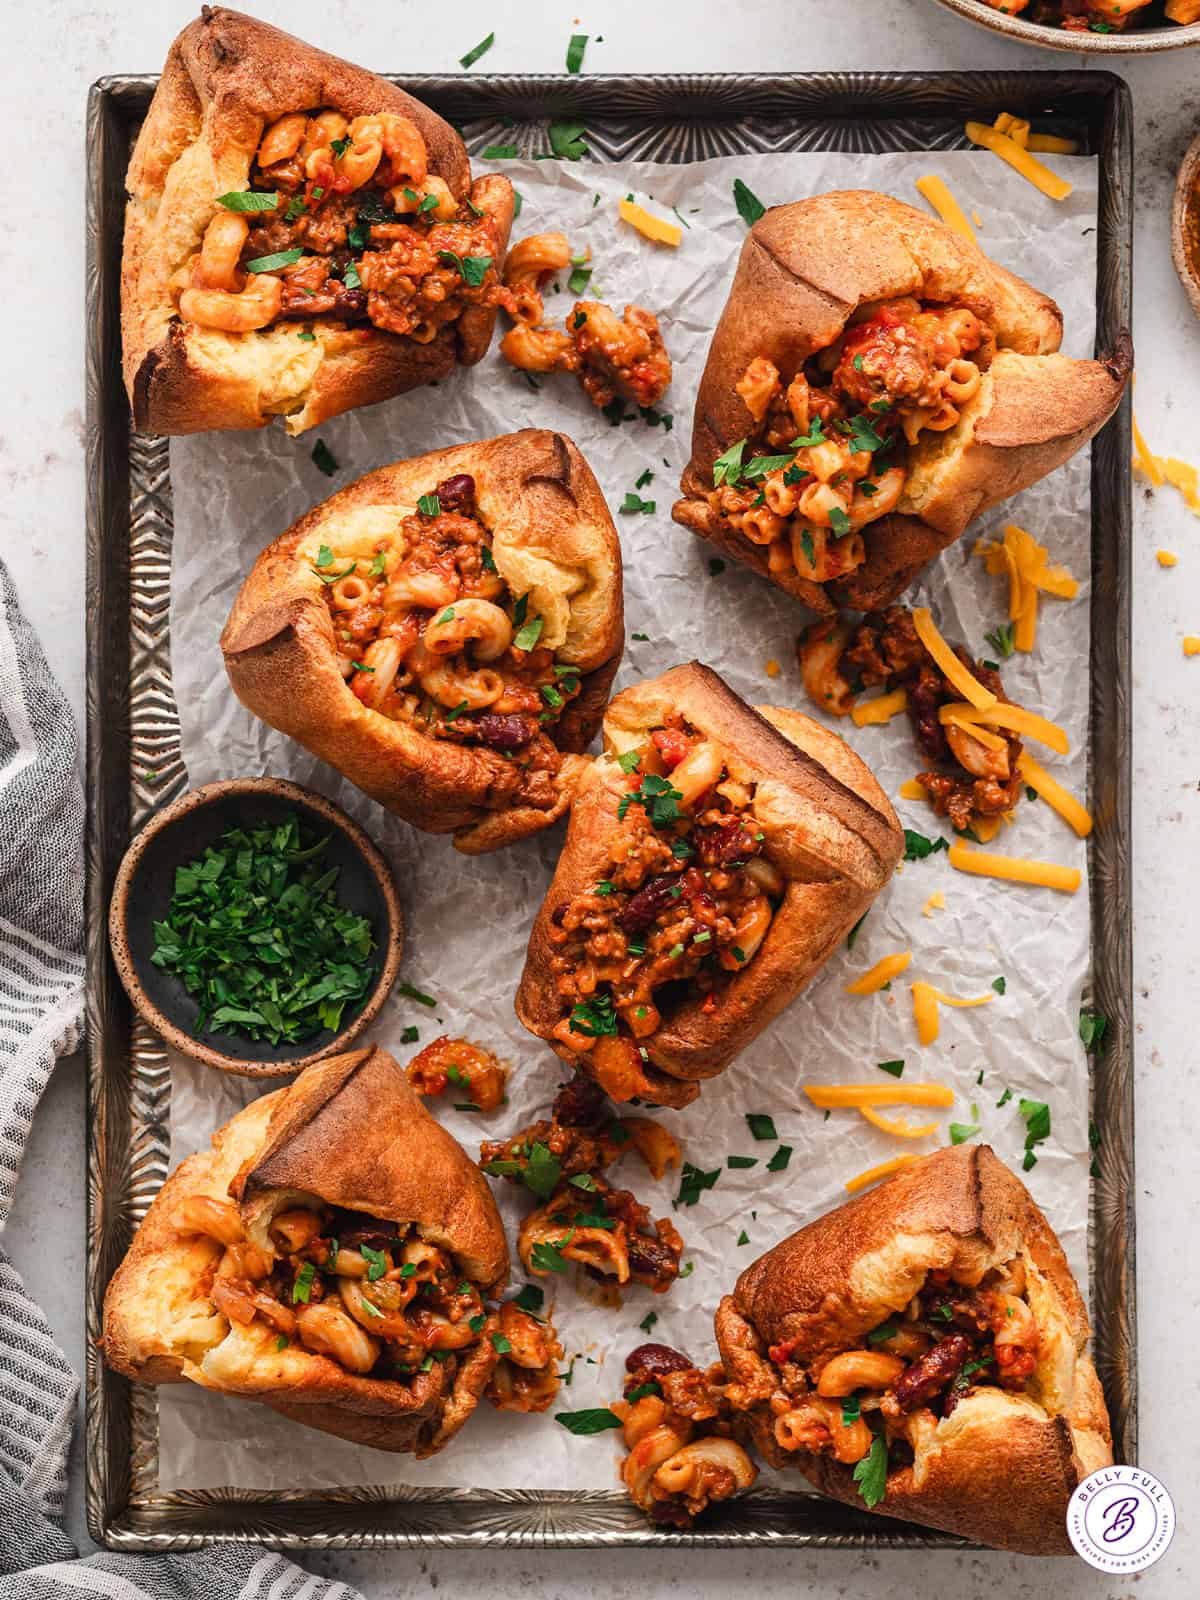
(895, 1068)
(727, 468)
(660, 800)
(500, 152)
(376, 1263)
(582, 1180)
(646, 477)
(567, 140)
(409, 993)
(761, 1126)
(302, 1287)
(814, 436)
(749, 206)
(634, 502)
(528, 633)
(917, 846)
(257, 936)
(641, 1390)
(864, 436)
(693, 1182)
(839, 522)
(596, 1419)
(530, 1299)
(248, 200)
(870, 1474)
(487, 559)
(350, 276)
(1000, 985)
(456, 711)
(1036, 1114)
(324, 459)
(542, 1171)
(272, 263)
(852, 936)
(1093, 1025)
(779, 1161)
(474, 53)
(429, 505)
(548, 1257)
(1001, 639)
(471, 269)
(594, 1017)
(885, 1331)
(741, 1161)
(576, 45)
(960, 1132)
(500, 1344)
(629, 760)
(760, 466)
(648, 1321)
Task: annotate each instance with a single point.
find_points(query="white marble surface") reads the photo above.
(52, 52)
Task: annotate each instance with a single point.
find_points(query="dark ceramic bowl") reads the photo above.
(146, 879)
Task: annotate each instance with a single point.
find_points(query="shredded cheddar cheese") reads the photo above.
(1167, 558)
(936, 902)
(772, 668)
(1191, 645)
(1183, 476)
(864, 1180)
(985, 829)
(1144, 459)
(652, 227)
(910, 789)
(882, 972)
(1016, 869)
(899, 1127)
(1055, 796)
(882, 709)
(836, 1096)
(1025, 563)
(934, 190)
(1049, 144)
(1029, 167)
(990, 741)
(1016, 128)
(951, 667)
(925, 1001)
(1017, 718)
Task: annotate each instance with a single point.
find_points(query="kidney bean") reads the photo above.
(504, 730)
(457, 493)
(655, 1360)
(642, 910)
(917, 1384)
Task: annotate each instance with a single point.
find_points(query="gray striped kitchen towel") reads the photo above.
(41, 1013)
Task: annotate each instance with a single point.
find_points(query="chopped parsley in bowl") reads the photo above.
(255, 926)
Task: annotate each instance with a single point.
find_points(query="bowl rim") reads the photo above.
(118, 932)
(1187, 179)
(1138, 41)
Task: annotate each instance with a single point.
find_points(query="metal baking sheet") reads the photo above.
(133, 731)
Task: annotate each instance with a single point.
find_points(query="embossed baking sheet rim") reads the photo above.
(132, 729)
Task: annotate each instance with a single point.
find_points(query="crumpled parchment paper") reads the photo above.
(468, 919)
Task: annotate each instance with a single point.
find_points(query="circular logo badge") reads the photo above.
(1121, 1519)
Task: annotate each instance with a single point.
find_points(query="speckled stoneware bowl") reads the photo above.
(1137, 39)
(142, 892)
(1185, 224)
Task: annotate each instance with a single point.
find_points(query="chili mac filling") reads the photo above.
(889, 1392)
(429, 634)
(686, 902)
(826, 456)
(370, 1294)
(342, 223)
